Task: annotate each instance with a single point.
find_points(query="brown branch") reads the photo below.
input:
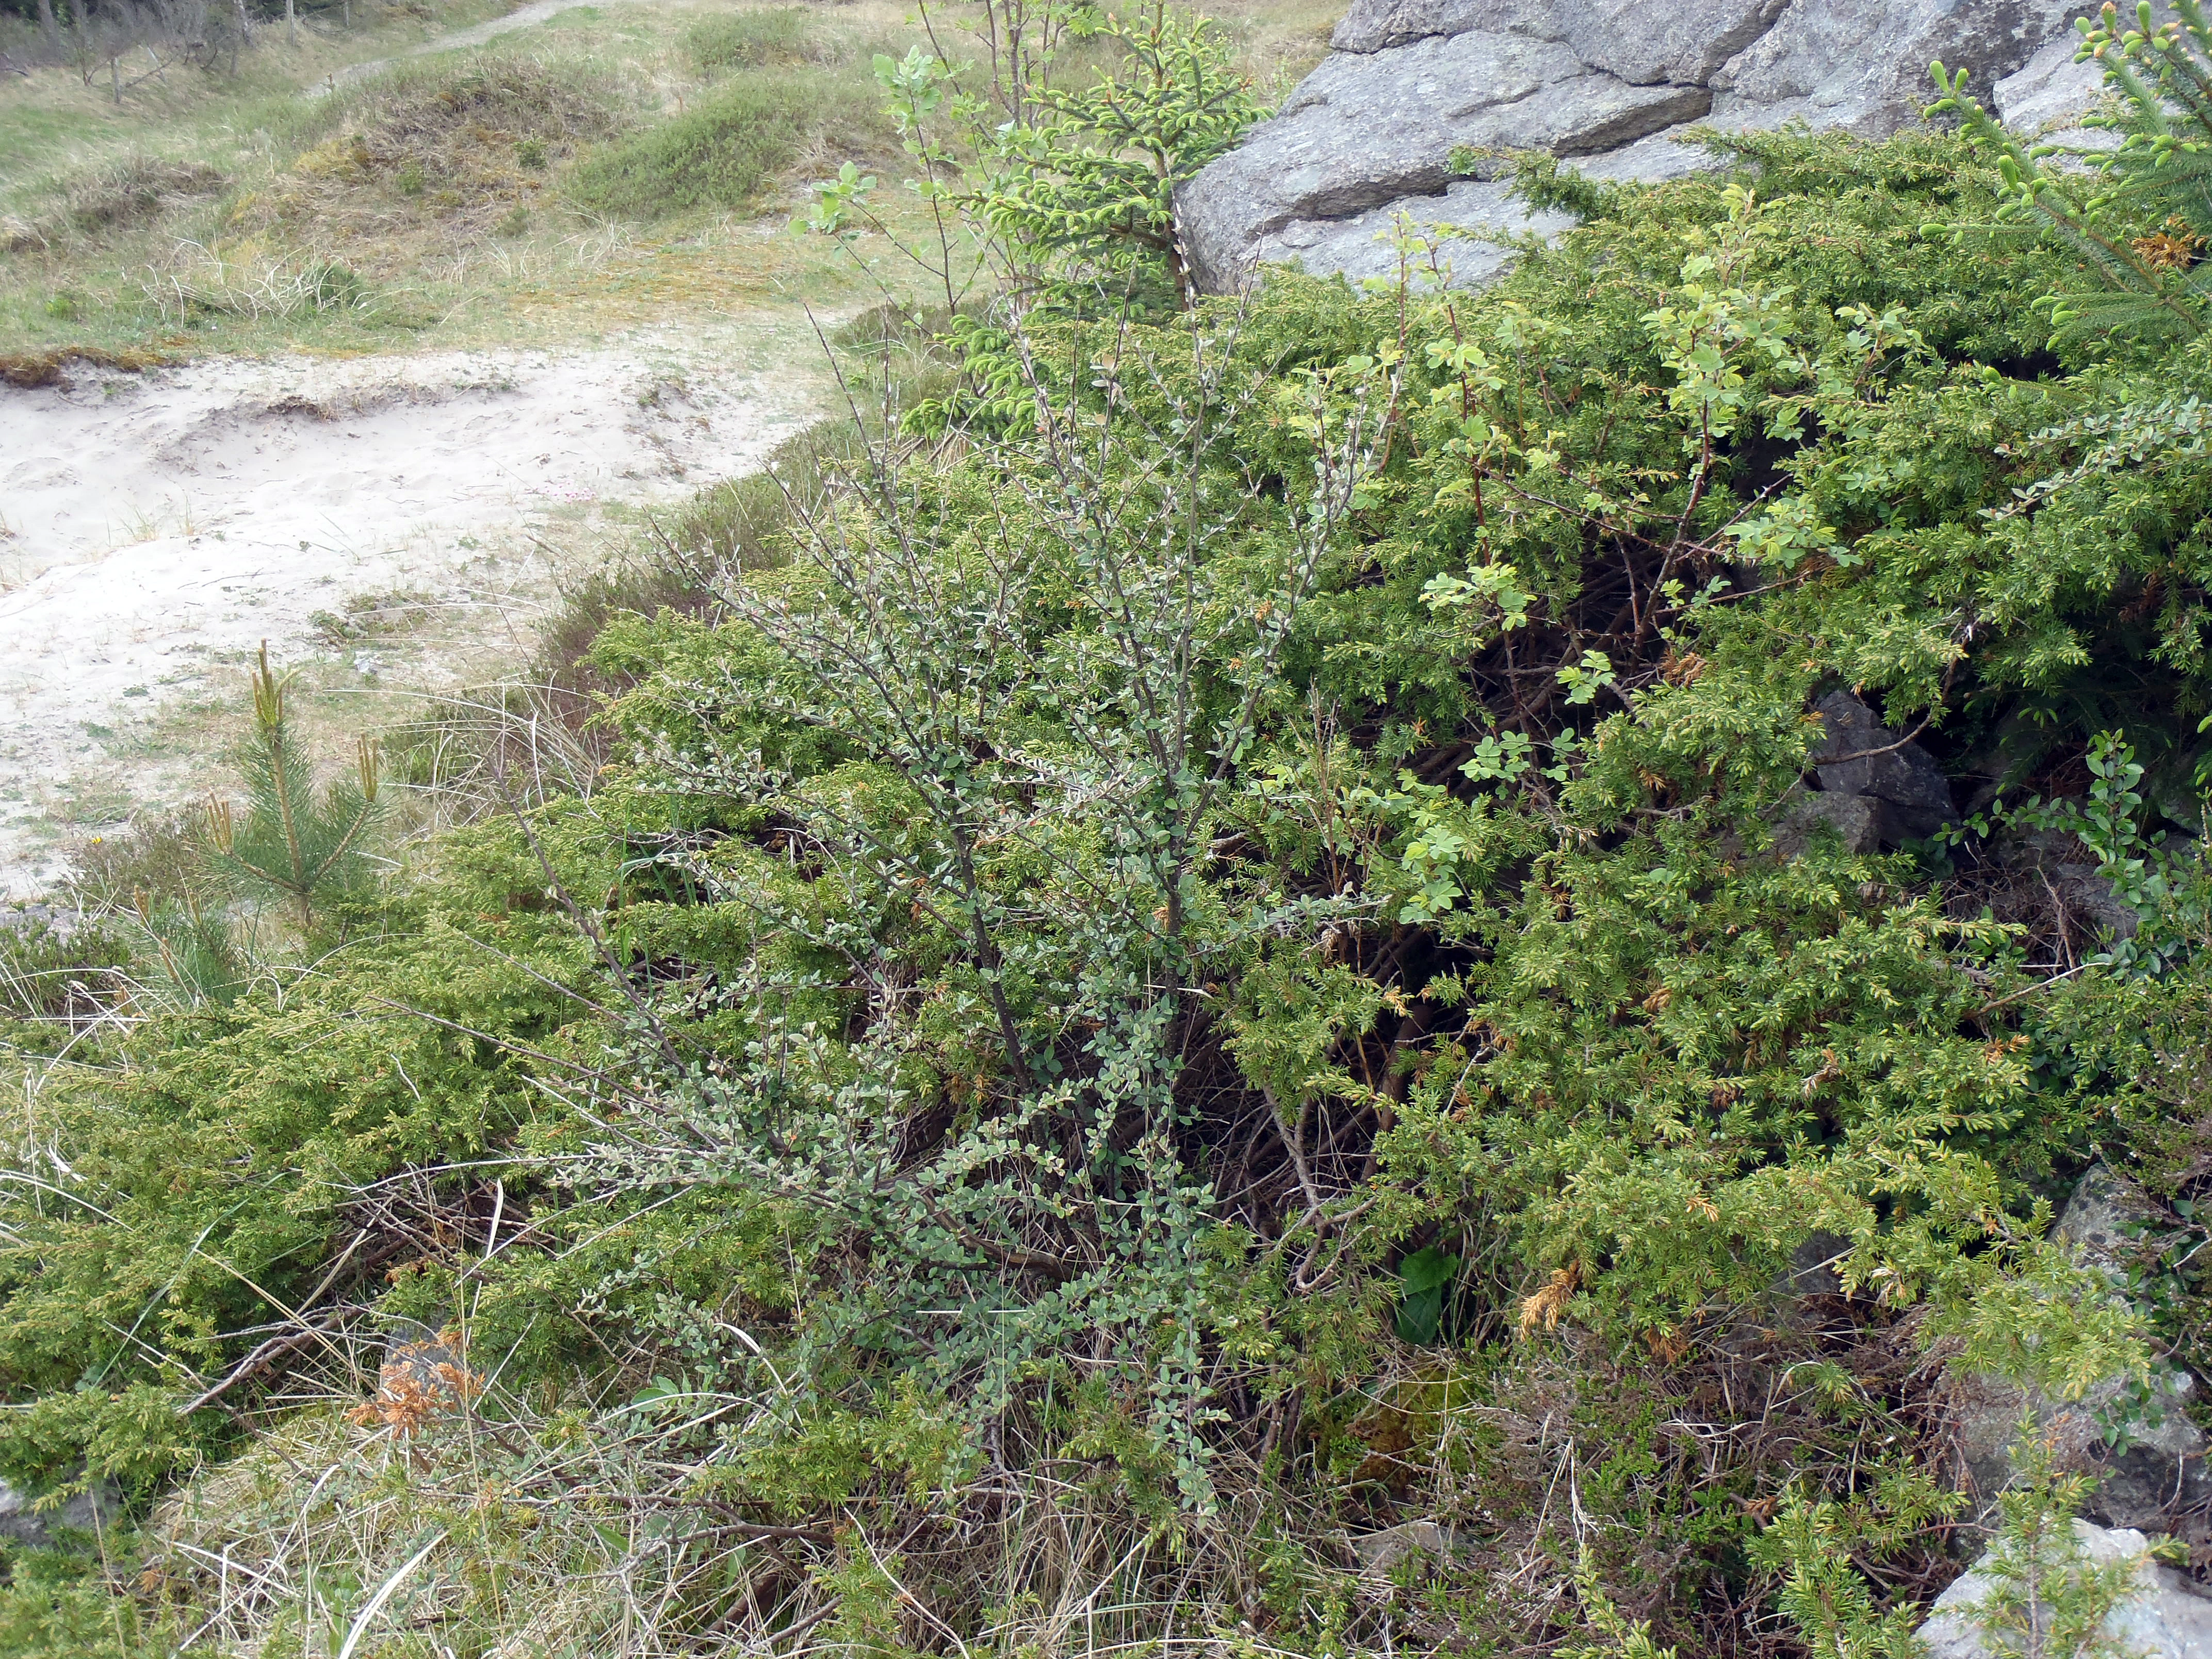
(1869, 754)
(1411, 1030)
(267, 1353)
(1005, 1256)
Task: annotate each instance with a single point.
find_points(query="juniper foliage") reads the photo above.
(1207, 968)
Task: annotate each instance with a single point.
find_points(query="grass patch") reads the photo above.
(368, 616)
(133, 188)
(127, 190)
(724, 152)
(415, 107)
(198, 283)
(749, 39)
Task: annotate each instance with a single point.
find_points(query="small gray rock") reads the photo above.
(1860, 822)
(2058, 859)
(1379, 1552)
(1859, 755)
(2162, 1473)
(2094, 896)
(1813, 1265)
(2158, 1618)
(1815, 1273)
(21, 1523)
(2099, 1214)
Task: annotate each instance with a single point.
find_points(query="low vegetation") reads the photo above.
(1169, 945)
(565, 169)
(125, 192)
(720, 154)
(757, 39)
(454, 147)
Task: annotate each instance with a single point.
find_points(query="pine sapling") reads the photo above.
(2139, 214)
(291, 842)
(1814, 1549)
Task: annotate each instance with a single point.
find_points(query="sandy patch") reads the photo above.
(154, 528)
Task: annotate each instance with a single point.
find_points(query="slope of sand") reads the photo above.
(155, 528)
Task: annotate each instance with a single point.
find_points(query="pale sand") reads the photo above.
(154, 528)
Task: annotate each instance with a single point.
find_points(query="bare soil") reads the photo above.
(160, 525)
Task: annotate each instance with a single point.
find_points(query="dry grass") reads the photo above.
(127, 190)
(489, 751)
(519, 1523)
(1278, 42)
(507, 1518)
(196, 282)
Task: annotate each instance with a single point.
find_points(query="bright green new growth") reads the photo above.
(1812, 1545)
(1618, 1637)
(295, 844)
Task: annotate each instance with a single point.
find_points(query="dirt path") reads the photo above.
(158, 527)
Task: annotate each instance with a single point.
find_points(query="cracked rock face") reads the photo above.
(1369, 135)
